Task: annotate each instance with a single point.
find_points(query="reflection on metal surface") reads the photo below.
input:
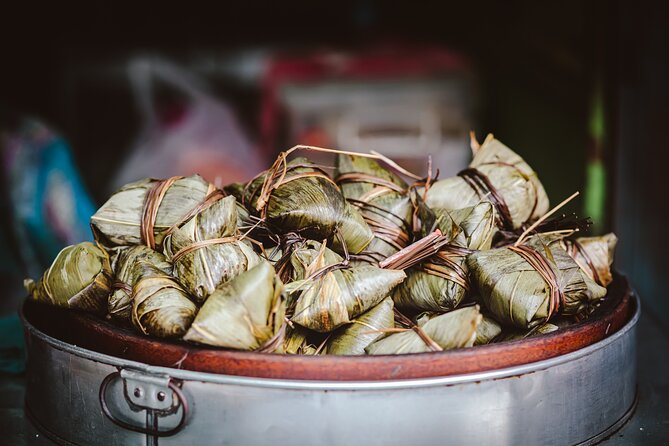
(614, 427)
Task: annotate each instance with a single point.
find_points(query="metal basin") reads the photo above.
(79, 396)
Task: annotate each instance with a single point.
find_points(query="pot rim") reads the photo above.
(278, 383)
(348, 381)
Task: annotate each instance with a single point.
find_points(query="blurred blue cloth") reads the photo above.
(49, 204)
(45, 208)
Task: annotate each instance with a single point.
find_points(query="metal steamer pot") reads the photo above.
(92, 383)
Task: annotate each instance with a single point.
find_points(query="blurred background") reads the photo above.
(98, 94)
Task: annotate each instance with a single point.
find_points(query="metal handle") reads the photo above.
(182, 402)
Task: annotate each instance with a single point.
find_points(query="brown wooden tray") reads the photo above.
(94, 333)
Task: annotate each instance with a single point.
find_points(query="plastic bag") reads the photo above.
(203, 137)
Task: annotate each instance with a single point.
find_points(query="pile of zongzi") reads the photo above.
(357, 258)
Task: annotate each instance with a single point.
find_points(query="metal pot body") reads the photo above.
(77, 396)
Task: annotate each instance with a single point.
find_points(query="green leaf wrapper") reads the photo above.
(455, 329)
(517, 295)
(78, 278)
(243, 313)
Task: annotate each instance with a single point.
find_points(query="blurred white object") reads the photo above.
(204, 139)
(405, 120)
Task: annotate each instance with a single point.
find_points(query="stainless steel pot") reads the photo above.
(78, 396)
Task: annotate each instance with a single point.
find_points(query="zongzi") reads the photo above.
(455, 329)
(128, 268)
(160, 305)
(331, 297)
(243, 313)
(437, 284)
(203, 267)
(471, 227)
(79, 278)
(526, 285)
(487, 330)
(352, 339)
(594, 255)
(383, 201)
(206, 251)
(440, 282)
(517, 335)
(300, 197)
(499, 175)
(310, 256)
(297, 261)
(141, 212)
(297, 342)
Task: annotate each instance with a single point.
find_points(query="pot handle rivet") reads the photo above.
(154, 431)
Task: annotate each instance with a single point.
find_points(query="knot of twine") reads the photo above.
(574, 247)
(481, 184)
(152, 203)
(541, 265)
